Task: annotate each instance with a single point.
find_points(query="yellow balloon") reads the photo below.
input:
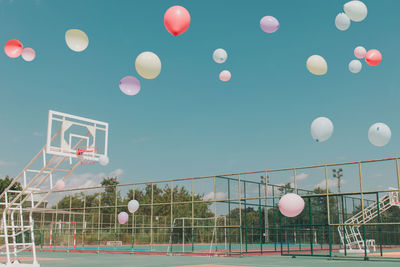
(148, 65)
(76, 40)
(317, 65)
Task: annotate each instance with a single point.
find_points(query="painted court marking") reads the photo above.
(212, 265)
(31, 259)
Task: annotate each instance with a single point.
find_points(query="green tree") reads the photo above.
(4, 183)
(110, 198)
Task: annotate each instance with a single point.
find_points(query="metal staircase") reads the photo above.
(351, 237)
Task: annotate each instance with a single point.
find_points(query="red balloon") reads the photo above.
(13, 48)
(176, 20)
(373, 57)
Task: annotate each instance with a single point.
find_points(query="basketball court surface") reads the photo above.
(51, 259)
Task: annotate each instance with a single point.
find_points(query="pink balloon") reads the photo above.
(269, 24)
(123, 217)
(13, 48)
(176, 20)
(291, 205)
(129, 85)
(225, 75)
(60, 185)
(373, 57)
(28, 54)
(360, 52)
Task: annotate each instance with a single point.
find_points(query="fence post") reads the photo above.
(362, 210)
(98, 225)
(151, 218)
(115, 214)
(245, 215)
(192, 215)
(311, 226)
(379, 221)
(266, 223)
(344, 229)
(229, 215)
(328, 210)
(240, 215)
(260, 217)
(133, 225)
(365, 243)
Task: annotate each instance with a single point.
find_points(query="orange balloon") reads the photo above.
(176, 20)
(13, 48)
(373, 57)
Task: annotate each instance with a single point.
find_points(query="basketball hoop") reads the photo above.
(83, 151)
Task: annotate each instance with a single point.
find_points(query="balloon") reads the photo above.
(13, 48)
(129, 85)
(225, 75)
(360, 52)
(291, 205)
(355, 66)
(133, 206)
(28, 54)
(269, 24)
(104, 160)
(342, 21)
(176, 20)
(317, 65)
(60, 185)
(76, 40)
(321, 129)
(148, 65)
(373, 57)
(123, 217)
(379, 134)
(356, 10)
(220, 55)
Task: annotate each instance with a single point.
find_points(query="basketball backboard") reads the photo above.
(66, 134)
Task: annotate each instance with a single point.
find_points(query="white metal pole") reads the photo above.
(13, 236)
(6, 235)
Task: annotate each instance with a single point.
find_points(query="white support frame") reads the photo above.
(354, 241)
(18, 202)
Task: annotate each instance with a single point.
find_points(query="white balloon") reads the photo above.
(342, 22)
(104, 160)
(317, 65)
(355, 66)
(321, 129)
(356, 10)
(220, 55)
(379, 134)
(76, 40)
(148, 65)
(60, 185)
(133, 206)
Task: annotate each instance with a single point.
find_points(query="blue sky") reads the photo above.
(186, 122)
